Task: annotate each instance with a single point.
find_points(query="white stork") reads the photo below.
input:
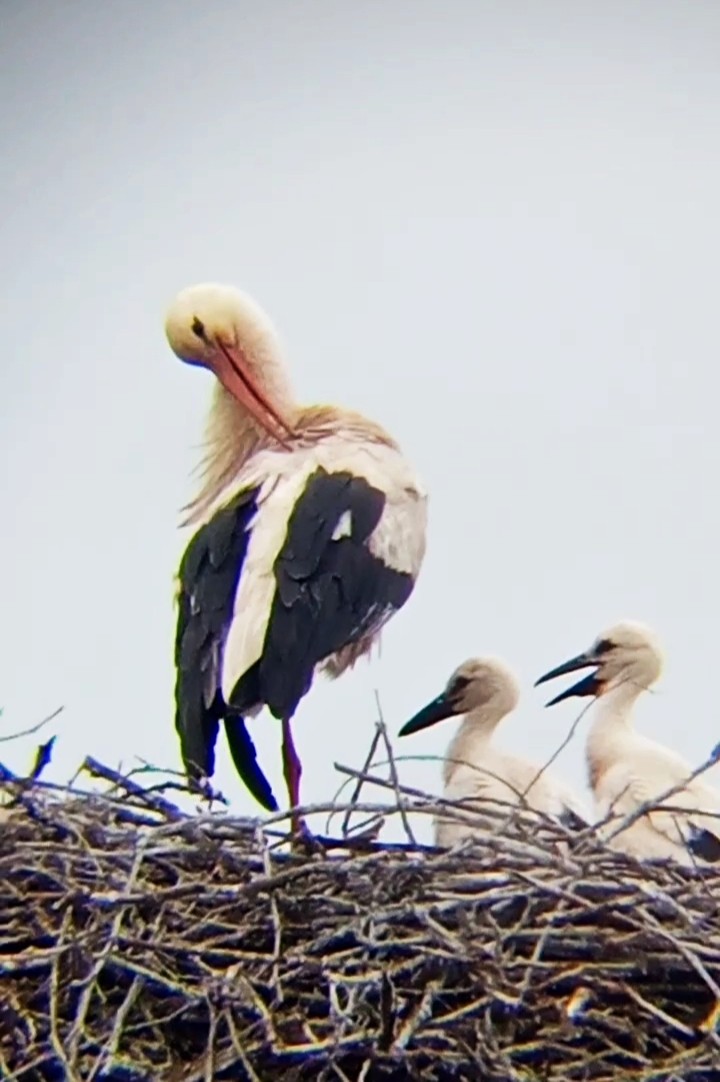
(626, 769)
(310, 534)
(474, 769)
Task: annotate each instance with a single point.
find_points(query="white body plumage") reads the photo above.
(398, 540)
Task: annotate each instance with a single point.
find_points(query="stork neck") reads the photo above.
(611, 727)
(230, 430)
(613, 709)
(231, 438)
(615, 704)
(474, 731)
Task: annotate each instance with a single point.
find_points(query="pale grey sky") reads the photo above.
(494, 227)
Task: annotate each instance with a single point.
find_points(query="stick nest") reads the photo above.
(141, 943)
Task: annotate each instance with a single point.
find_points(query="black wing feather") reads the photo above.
(572, 820)
(329, 593)
(704, 844)
(209, 574)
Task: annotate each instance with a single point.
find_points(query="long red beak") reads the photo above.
(232, 371)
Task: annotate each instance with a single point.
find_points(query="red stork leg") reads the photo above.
(292, 769)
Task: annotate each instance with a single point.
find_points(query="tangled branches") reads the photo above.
(138, 942)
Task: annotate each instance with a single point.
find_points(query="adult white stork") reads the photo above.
(627, 769)
(310, 534)
(485, 690)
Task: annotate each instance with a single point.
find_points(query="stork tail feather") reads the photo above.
(244, 756)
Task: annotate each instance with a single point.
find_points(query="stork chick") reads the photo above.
(485, 691)
(626, 769)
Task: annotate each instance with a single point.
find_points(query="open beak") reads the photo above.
(437, 710)
(232, 371)
(589, 685)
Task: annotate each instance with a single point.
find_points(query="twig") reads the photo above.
(55, 986)
(89, 982)
(277, 924)
(419, 1015)
(394, 779)
(33, 728)
(107, 1053)
(655, 803)
(157, 803)
(355, 795)
(656, 1012)
(561, 747)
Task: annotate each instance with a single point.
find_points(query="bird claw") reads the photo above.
(302, 839)
(202, 788)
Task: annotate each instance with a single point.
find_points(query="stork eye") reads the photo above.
(458, 685)
(198, 328)
(603, 647)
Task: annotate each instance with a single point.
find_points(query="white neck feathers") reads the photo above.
(472, 737)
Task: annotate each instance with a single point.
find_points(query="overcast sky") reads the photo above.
(493, 227)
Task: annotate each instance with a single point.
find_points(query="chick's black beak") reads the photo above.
(589, 685)
(437, 710)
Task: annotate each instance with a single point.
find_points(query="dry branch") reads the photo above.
(141, 943)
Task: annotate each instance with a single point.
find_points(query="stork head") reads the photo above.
(221, 328)
(479, 683)
(627, 653)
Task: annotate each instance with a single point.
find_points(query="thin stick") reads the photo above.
(561, 747)
(355, 795)
(382, 731)
(33, 728)
(656, 802)
(157, 803)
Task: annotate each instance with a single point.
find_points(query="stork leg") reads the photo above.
(292, 769)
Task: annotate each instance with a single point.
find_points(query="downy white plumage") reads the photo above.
(627, 769)
(476, 771)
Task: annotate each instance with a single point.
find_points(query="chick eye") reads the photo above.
(198, 328)
(458, 686)
(603, 647)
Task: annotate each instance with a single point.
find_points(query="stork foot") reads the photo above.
(303, 840)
